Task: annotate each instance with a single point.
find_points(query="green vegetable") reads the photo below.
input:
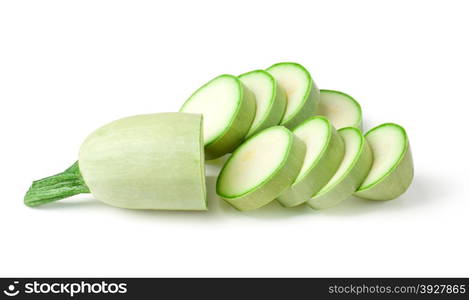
(156, 161)
(261, 168)
(143, 162)
(392, 170)
(351, 173)
(324, 152)
(228, 109)
(270, 99)
(302, 93)
(340, 108)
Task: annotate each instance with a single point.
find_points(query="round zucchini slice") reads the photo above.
(392, 171)
(261, 168)
(270, 100)
(324, 152)
(351, 173)
(340, 108)
(228, 109)
(302, 93)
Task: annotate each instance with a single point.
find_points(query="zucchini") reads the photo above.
(151, 161)
(392, 171)
(351, 173)
(270, 99)
(228, 109)
(340, 108)
(324, 153)
(261, 168)
(302, 93)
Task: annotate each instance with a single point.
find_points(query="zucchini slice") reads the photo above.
(261, 168)
(324, 152)
(270, 99)
(228, 109)
(302, 93)
(340, 108)
(392, 171)
(351, 173)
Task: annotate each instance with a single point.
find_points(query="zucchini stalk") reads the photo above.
(56, 187)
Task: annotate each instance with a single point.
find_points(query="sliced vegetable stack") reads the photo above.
(279, 130)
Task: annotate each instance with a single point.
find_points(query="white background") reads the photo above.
(68, 67)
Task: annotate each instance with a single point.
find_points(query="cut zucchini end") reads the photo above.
(301, 92)
(228, 108)
(324, 152)
(261, 168)
(353, 168)
(342, 109)
(392, 170)
(270, 100)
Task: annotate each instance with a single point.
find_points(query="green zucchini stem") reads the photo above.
(56, 187)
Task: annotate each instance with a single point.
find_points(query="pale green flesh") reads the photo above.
(261, 168)
(147, 162)
(315, 135)
(270, 100)
(301, 92)
(254, 163)
(217, 101)
(392, 170)
(341, 109)
(324, 152)
(352, 171)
